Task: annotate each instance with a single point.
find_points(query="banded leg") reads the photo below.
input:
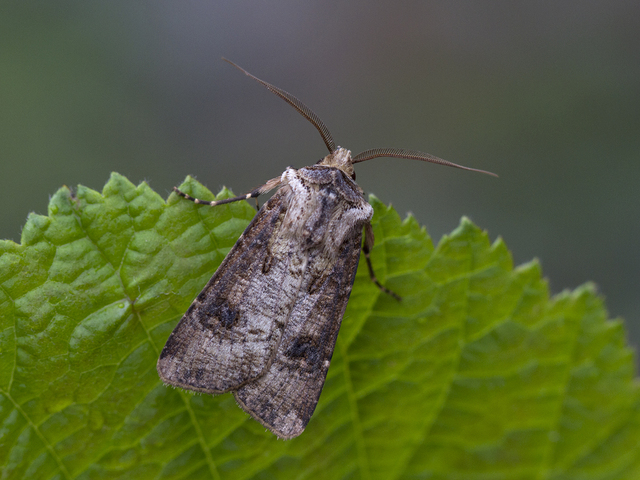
(270, 185)
(367, 245)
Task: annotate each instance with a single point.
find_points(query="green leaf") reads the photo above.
(476, 374)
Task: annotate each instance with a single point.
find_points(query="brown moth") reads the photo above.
(266, 324)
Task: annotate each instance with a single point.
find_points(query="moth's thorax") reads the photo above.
(341, 159)
(324, 206)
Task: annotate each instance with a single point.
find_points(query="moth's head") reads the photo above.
(340, 158)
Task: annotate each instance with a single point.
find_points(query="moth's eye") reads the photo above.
(353, 176)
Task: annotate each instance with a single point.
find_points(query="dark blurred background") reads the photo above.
(546, 94)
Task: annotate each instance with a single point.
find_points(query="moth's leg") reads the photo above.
(366, 248)
(270, 185)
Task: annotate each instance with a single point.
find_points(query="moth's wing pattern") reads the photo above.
(229, 335)
(284, 398)
(266, 324)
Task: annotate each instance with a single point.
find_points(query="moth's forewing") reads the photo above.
(284, 398)
(228, 335)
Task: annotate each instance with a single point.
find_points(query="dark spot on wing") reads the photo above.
(304, 347)
(227, 316)
(268, 260)
(221, 311)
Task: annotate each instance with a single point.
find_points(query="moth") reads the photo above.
(266, 324)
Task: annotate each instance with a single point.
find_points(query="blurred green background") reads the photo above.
(546, 94)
